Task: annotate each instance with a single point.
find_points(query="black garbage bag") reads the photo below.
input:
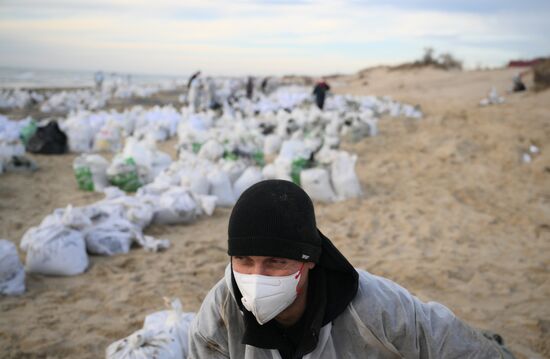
(48, 139)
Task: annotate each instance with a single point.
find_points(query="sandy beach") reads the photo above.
(449, 211)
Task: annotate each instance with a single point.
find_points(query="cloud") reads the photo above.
(269, 37)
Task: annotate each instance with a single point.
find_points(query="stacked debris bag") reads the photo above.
(12, 273)
(48, 139)
(165, 335)
(61, 243)
(105, 131)
(12, 149)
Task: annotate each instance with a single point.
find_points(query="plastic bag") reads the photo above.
(108, 139)
(110, 237)
(298, 165)
(293, 149)
(195, 181)
(249, 177)
(28, 131)
(12, 273)
(80, 134)
(316, 183)
(173, 321)
(211, 150)
(138, 210)
(55, 250)
(175, 206)
(146, 344)
(269, 172)
(272, 144)
(91, 172)
(233, 168)
(345, 181)
(221, 188)
(123, 173)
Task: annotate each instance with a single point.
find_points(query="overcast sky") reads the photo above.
(265, 36)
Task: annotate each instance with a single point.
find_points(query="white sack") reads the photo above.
(55, 249)
(12, 273)
(110, 237)
(175, 206)
(316, 183)
(272, 144)
(293, 149)
(80, 134)
(207, 203)
(211, 150)
(145, 344)
(195, 181)
(97, 168)
(71, 217)
(108, 139)
(269, 172)
(221, 188)
(233, 168)
(251, 176)
(174, 322)
(345, 181)
(138, 210)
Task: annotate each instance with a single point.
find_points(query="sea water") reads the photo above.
(11, 78)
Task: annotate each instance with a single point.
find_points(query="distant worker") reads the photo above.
(264, 85)
(518, 83)
(249, 87)
(192, 78)
(98, 79)
(211, 101)
(195, 95)
(320, 92)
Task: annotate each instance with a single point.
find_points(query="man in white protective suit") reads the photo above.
(289, 293)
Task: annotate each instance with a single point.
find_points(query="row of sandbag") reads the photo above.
(83, 99)
(61, 243)
(104, 131)
(137, 164)
(304, 140)
(12, 136)
(165, 335)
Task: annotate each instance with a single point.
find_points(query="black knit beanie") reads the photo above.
(274, 218)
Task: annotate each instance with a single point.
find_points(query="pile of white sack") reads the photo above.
(18, 98)
(10, 142)
(105, 131)
(139, 163)
(61, 243)
(492, 98)
(64, 101)
(12, 273)
(300, 145)
(165, 335)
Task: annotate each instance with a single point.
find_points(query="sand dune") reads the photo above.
(449, 211)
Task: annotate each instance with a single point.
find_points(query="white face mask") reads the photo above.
(267, 296)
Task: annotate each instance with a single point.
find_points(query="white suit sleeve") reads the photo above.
(416, 329)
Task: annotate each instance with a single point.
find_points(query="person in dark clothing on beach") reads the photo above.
(320, 91)
(249, 87)
(192, 78)
(264, 85)
(519, 86)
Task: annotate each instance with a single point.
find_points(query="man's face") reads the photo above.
(271, 266)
